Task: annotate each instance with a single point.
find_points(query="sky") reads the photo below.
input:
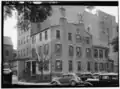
(11, 30)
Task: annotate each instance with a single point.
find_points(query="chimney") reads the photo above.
(80, 18)
(62, 11)
(62, 21)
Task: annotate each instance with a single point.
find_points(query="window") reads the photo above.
(70, 36)
(40, 36)
(46, 65)
(58, 65)
(23, 52)
(33, 67)
(7, 53)
(24, 40)
(88, 52)
(95, 53)
(46, 36)
(33, 39)
(46, 49)
(57, 34)
(87, 40)
(101, 66)
(33, 52)
(100, 53)
(96, 67)
(70, 66)
(71, 51)
(40, 50)
(78, 38)
(58, 49)
(27, 52)
(18, 53)
(78, 51)
(106, 53)
(88, 66)
(79, 66)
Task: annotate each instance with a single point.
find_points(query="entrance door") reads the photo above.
(33, 67)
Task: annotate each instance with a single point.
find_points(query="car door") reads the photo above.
(62, 79)
(67, 79)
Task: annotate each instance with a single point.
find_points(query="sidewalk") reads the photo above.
(26, 83)
(22, 82)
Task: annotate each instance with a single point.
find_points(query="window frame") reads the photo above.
(100, 53)
(88, 66)
(56, 66)
(58, 34)
(96, 66)
(71, 51)
(40, 36)
(70, 67)
(60, 50)
(46, 35)
(87, 40)
(7, 52)
(88, 54)
(96, 53)
(78, 54)
(70, 36)
(79, 68)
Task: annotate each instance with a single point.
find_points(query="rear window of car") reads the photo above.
(105, 77)
(114, 77)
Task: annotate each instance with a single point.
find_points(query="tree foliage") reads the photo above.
(115, 44)
(28, 11)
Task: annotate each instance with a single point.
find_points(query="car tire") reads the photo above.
(73, 83)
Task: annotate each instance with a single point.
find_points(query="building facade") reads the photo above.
(71, 40)
(23, 48)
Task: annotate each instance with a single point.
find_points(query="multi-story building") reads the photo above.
(8, 49)
(23, 47)
(62, 32)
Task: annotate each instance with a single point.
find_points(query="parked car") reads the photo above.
(69, 79)
(94, 79)
(108, 79)
(85, 75)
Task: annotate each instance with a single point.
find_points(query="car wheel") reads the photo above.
(73, 83)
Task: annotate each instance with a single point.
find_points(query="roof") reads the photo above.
(7, 40)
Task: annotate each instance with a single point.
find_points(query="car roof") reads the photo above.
(108, 74)
(69, 74)
(85, 73)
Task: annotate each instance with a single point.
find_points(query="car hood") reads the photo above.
(90, 79)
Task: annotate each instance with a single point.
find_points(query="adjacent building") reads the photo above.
(7, 49)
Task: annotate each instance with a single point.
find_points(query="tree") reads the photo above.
(28, 10)
(115, 44)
